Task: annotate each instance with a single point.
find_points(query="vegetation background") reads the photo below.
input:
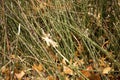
(59, 39)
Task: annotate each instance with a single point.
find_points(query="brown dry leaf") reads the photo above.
(89, 67)
(95, 77)
(81, 62)
(90, 61)
(50, 78)
(37, 67)
(90, 76)
(66, 78)
(3, 69)
(86, 73)
(76, 53)
(63, 61)
(12, 56)
(40, 68)
(75, 64)
(59, 68)
(71, 61)
(80, 50)
(51, 54)
(67, 70)
(20, 75)
(6, 72)
(106, 70)
(102, 62)
(42, 4)
(78, 63)
(27, 78)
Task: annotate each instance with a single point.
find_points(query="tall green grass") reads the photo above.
(69, 23)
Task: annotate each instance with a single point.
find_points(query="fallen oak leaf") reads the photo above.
(48, 40)
(102, 62)
(78, 63)
(67, 70)
(66, 78)
(95, 76)
(6, 72)
(12, 56)
(90, 76)
(50, 78)
(3, 69)
(81, 62)
(86, 73)
(63, 61)
(38, 68)
(106, 70)
(89, 68)
(20, 75)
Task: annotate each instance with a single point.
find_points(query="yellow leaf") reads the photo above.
(67, 70)
(20, 75)
(106, 70)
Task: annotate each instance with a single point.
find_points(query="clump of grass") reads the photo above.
(47, 32)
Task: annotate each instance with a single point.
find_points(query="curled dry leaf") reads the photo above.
(67, 70)
(106, 70)
(20, 75)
